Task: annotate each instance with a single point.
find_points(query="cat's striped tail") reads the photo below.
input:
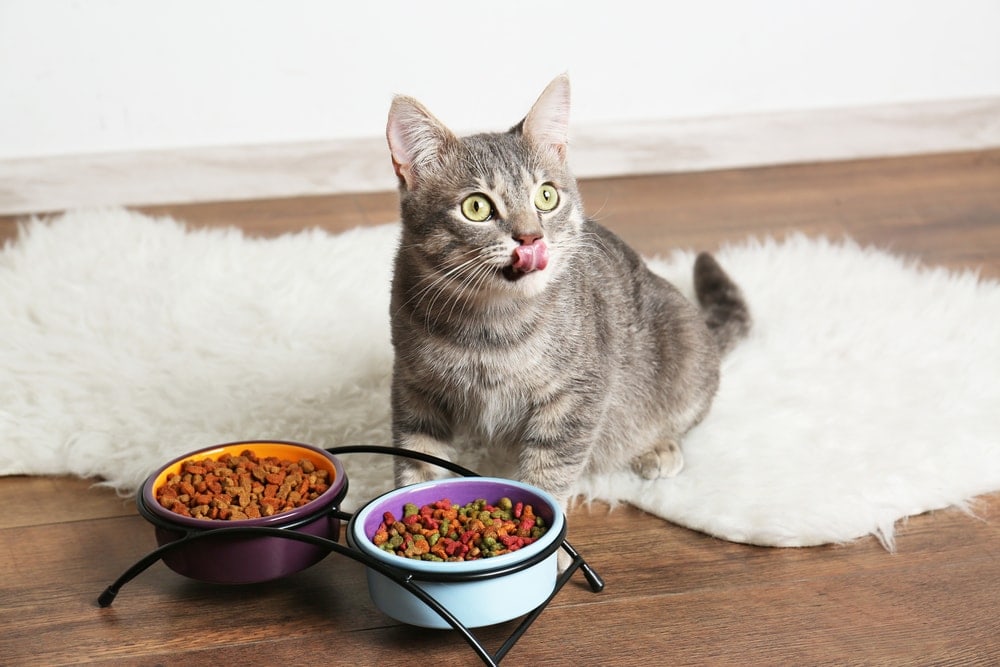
(726, 311)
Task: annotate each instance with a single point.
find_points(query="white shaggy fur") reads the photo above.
(868, 390)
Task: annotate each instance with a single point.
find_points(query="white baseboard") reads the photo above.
(331, 167)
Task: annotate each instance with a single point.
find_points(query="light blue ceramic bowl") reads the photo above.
(477, 592)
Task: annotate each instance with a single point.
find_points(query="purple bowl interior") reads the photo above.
(458, 491)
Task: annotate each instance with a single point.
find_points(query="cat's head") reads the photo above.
(495, 212)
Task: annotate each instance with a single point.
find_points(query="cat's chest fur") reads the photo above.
(490, 375)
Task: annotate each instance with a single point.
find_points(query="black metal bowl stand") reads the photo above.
(401, 577)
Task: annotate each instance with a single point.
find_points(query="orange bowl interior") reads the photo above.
(263, 449)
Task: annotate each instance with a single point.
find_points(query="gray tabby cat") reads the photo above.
(519, 323)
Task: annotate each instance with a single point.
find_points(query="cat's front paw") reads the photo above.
(665, 460)
(414, 472)
(408, 469)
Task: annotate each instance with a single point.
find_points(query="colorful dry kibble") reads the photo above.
(241, 487)
(443, 531)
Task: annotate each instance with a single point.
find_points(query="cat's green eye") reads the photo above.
(547, 197)
(477, 208)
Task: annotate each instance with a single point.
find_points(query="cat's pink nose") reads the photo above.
(531, 255)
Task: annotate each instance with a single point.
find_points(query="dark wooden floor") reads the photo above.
(673, 597)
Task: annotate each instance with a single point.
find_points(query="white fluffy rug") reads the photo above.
(869, 390)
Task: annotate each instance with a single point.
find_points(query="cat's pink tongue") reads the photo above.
(530, 257)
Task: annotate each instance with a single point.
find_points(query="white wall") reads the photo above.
(131, 75)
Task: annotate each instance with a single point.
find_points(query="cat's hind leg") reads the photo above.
(663, 460)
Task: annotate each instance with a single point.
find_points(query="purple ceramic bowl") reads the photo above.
(243, 559)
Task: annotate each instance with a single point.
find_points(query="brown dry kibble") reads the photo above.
(241, 487)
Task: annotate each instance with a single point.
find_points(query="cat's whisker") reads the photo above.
(462, 282)
(596, 215)
(436, 278)
(472, 282)
(593, 242)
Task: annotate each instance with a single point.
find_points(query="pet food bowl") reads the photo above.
(477, 592)
(245, 558)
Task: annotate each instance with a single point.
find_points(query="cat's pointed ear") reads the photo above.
(547, 124)
(416, 139)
